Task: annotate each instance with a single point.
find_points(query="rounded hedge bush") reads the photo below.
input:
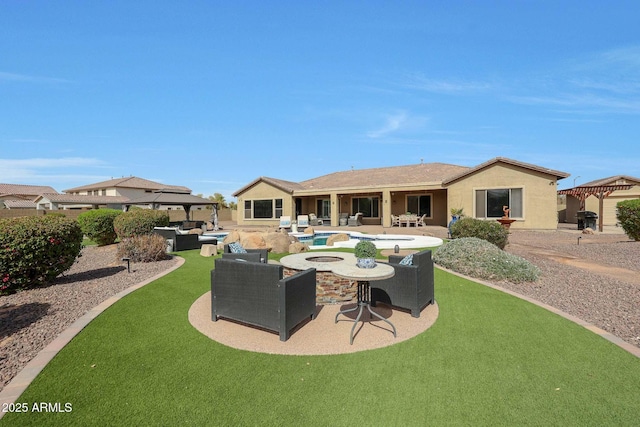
(97, 225)
(139, 222)
(483, 260)
(628, 215)
(491, 231)
(36, 250)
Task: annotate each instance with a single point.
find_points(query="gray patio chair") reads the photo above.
(410, 288)
(256, 294)
(263, 254)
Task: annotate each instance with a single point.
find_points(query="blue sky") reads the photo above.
(212, 94)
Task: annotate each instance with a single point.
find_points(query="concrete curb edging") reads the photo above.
(23, 379)
(593, 328)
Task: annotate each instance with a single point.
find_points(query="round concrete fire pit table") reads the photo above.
(330, 288)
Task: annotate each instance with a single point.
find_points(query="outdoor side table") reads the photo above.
(363, 276)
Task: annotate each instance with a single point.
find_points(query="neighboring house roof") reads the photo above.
(281, 184)
(555, 173)
(82, 199)
(423, 173)
(613, 180)
(128, 182)
(17, 190)
(19, 204)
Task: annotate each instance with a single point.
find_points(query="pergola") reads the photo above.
(164, 197)
(600, 191)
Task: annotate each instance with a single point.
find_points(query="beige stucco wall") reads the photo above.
(539, 194)
(262, 191)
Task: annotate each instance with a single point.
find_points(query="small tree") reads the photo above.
(98, 225)
(628, 215)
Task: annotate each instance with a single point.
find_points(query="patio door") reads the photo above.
(324, 208)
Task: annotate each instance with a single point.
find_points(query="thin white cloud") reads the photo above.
(450, 86)
(25, 78)
(47, 170)
(396, 123)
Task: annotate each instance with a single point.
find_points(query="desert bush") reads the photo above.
(144, 248)
(628, 215)
(491, 231)
(35, 250)
(98, 225)
(483, 260)
(139, 222)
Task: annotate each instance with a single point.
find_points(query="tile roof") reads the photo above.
(283, 185)
(128, 182)
(612, 180)
(24, 190)
(423, 173)
(557, 174)
(19, 204)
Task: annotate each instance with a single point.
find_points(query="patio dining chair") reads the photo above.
(420, 221)
(395, 220)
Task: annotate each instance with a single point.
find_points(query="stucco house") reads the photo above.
(113, 193)
(608, 191)
(20, 196)
(432, 189)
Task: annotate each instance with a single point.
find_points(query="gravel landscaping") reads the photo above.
(594, 278)
(30, 320)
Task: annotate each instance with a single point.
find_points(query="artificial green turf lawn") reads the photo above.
(490, 359)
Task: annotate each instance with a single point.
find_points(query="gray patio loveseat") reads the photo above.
(256, 294)
(410, 288)
(182, 241)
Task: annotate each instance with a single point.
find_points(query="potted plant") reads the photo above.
(456, 214)
(365, 252)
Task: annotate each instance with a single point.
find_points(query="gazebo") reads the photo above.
(172, 198)
(600, 191)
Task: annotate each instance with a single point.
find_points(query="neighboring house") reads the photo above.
(113, 193)
(18, 196)
(430, 189)
(629, 188)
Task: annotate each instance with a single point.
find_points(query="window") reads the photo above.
(419, 204)
(490, 203)
(367, 205)
(263, 209)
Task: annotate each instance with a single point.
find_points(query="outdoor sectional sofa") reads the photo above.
(410, 288)
(256, 294)
(182, 241)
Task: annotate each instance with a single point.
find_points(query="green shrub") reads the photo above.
(491, 231)
(139, 222)
(145, 248)
(98, 225)
(480, 259)
(628, 215)
(365, 249)
(35, 250)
